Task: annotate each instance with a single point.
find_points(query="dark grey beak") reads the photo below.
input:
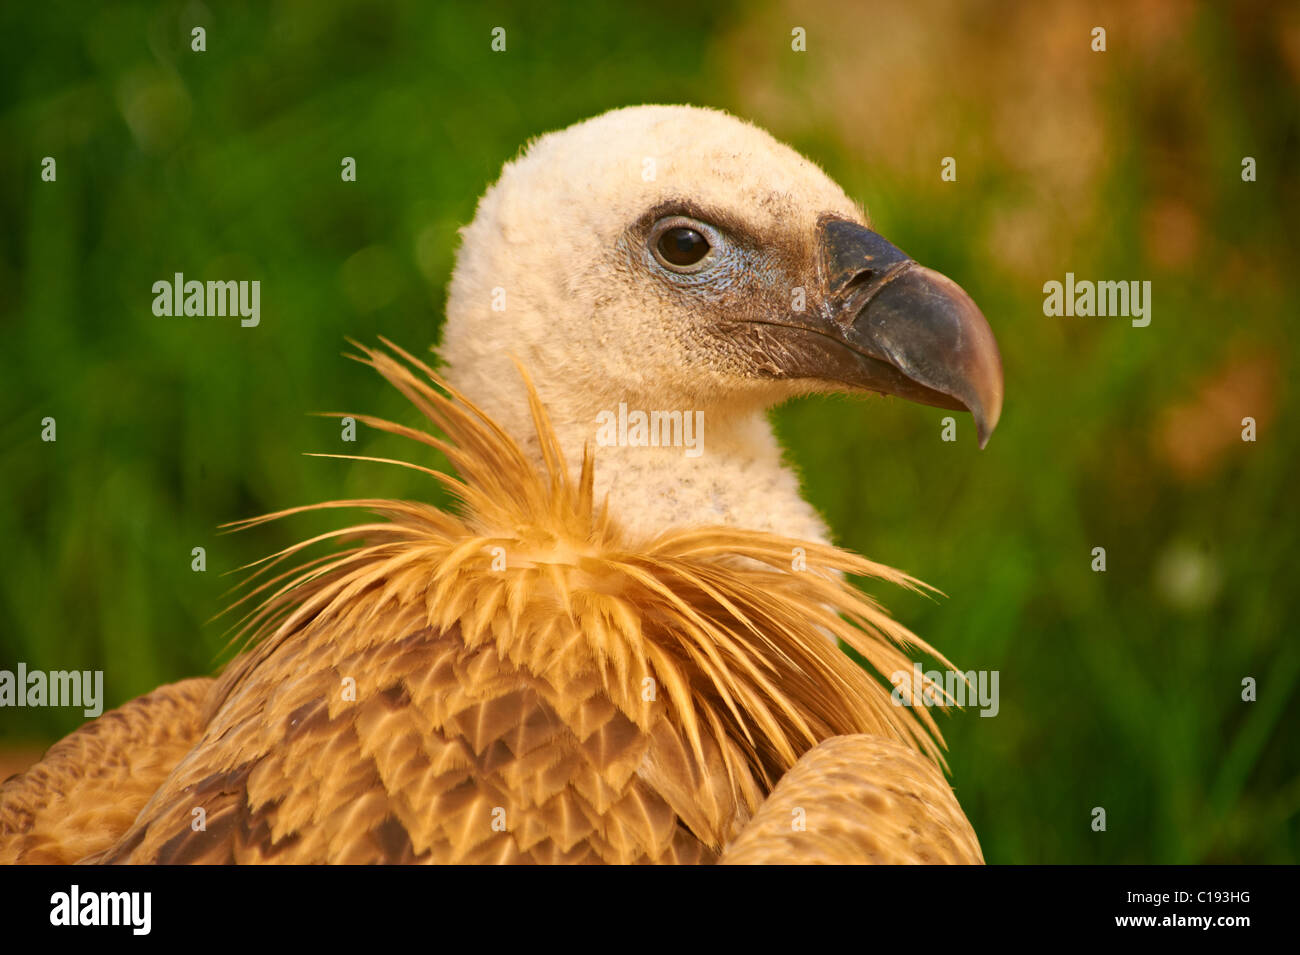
(919, 334)
(896, 327)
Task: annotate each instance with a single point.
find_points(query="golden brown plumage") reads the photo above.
(519, 682)
(858, 799)
(91, 784)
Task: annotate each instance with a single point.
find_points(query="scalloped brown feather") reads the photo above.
(89, 787)
(858, 799)
(595, 699)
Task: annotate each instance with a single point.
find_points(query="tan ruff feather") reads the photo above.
(598, 699)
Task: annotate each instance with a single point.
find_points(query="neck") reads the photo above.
(711, 467)
(736, 479)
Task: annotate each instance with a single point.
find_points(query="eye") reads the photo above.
(682, 246)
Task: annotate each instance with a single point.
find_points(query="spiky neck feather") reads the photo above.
(707, 630)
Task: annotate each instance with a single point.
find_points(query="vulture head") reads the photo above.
(677, 259)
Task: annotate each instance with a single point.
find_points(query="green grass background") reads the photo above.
(1120, 690)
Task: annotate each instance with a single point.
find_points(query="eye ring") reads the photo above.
(682, 244)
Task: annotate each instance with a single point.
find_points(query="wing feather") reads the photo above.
(86, 791)
(855, 800)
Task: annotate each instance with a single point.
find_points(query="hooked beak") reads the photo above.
(893, 326)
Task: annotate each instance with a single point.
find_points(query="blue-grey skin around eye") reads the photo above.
(729, 266)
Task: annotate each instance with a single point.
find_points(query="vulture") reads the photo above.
(624, 643)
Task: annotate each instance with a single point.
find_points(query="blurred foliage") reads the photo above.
(1120, 690)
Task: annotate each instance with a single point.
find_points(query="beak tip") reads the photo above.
(986, 420)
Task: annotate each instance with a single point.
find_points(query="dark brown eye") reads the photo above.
(682, 246)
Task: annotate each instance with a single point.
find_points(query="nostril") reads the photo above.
(855, 293)
(858, 281)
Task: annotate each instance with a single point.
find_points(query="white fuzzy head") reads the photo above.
(675, 259)
(561, 245)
